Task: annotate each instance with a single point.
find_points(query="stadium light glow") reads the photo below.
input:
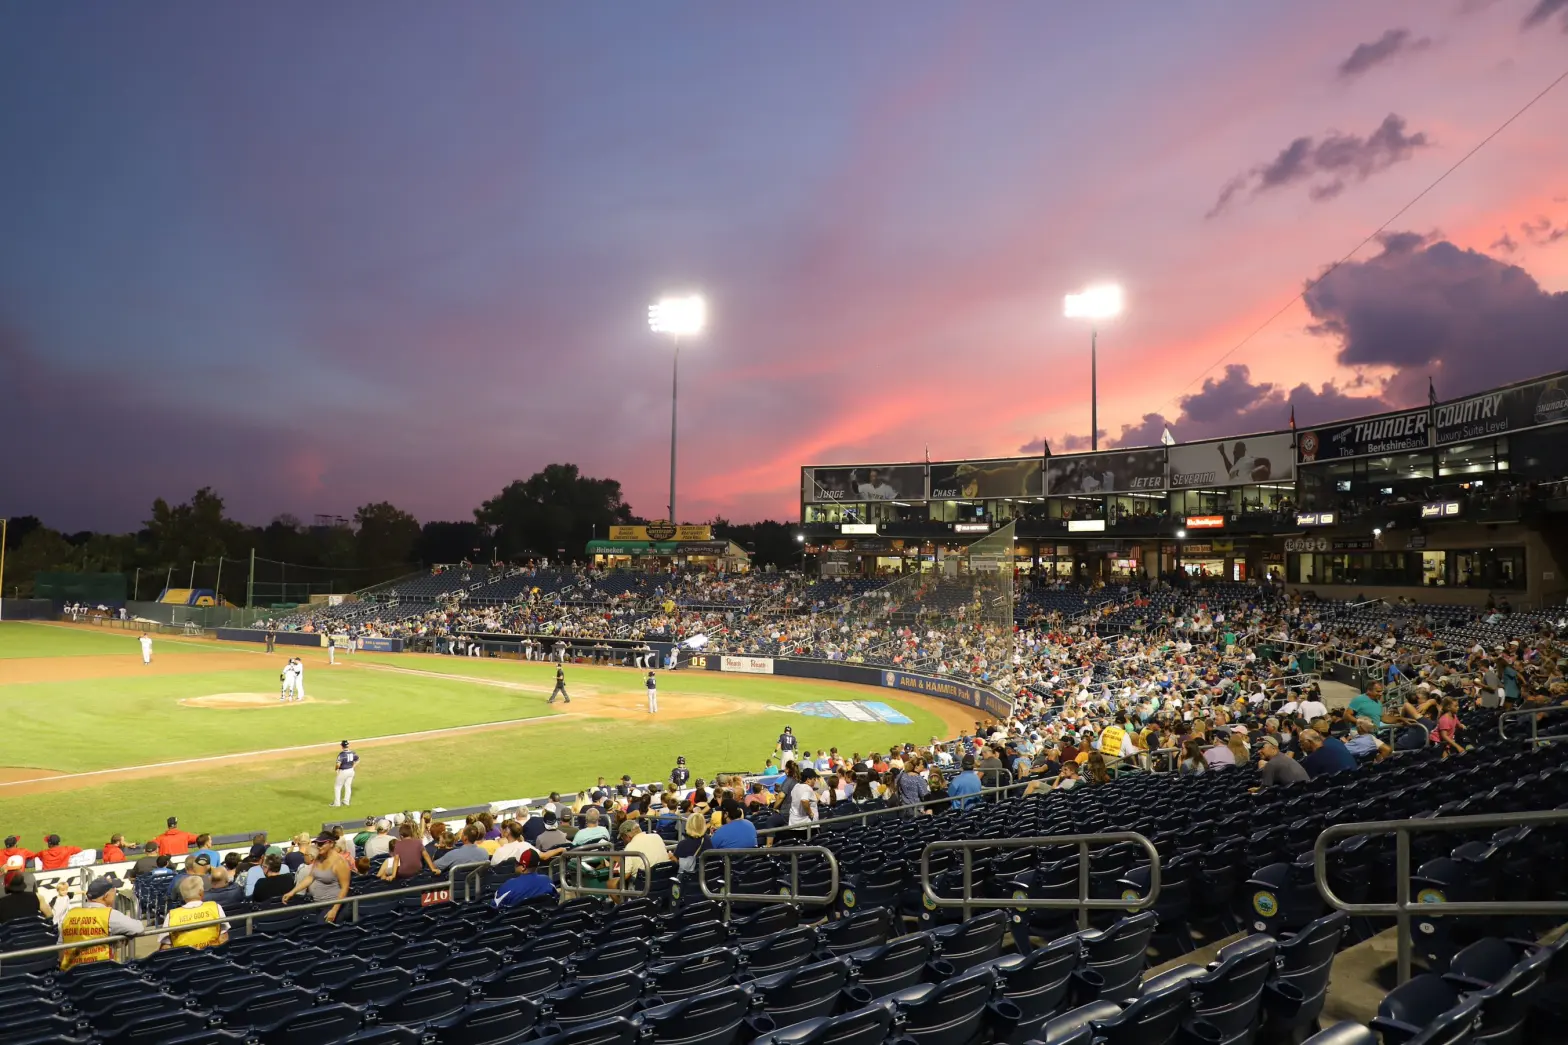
(1098, 302)
(1101, 301)
(1181, 535)
(800, 538)
(678, 317)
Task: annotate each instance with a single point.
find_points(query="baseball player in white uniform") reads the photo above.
(343, 786)
(286, 677)
(653, 694)
(146, 641)
(332, 649)
(299, 679)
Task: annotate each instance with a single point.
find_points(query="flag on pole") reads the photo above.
(1167, 438)
(1292, 417)
(1431, 392)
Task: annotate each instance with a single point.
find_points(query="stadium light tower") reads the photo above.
(677, 317)
(1094, 304)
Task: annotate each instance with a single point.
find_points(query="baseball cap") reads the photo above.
(383, 825)
(203, 859)
(1269, 741)
(173, 821)
(370, 821)
(52, 840)
(102, 885)
(10, 841)
(550, 819)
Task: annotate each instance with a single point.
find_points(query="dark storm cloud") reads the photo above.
(1373, 53)
(1543, 11)
(1235, 404)
(1432, 308)
(1330, 162)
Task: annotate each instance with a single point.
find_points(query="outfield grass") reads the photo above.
(29, 639)
(79, 726)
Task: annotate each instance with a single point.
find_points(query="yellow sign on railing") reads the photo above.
(661, 532)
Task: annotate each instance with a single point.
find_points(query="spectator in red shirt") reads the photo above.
(174, 842)
(55, 856)
(113, 850)
(12, 855)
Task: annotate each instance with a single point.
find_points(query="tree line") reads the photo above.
(553, 513)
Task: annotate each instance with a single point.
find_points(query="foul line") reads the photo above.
(474, 727)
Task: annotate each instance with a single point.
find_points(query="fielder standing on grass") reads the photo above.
(146, 641)
(343, 787)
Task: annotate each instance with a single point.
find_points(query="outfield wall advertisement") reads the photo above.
(1490, 414)
(747, 665)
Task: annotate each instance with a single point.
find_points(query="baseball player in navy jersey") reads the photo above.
(653, 693)
(787, 743)
(680, 774)
(343, 788)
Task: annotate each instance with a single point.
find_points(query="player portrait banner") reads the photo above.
(1117, 471)
(877, 482)
(1400, 432)
(1232, 462)
(1009, 477)
(1490, 414)
(747, 665)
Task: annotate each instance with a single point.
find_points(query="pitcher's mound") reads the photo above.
(238, 701)
(672, 707)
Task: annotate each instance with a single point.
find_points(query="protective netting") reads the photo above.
(955, 618)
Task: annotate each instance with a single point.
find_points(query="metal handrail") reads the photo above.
(1083, 904)
(249, 918)
(575, 858)
(1533, 714)
(794, 852)
(1401, 908)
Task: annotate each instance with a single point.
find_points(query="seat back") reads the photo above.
(424, 1002)
(803, 993)
(497, 1022)
(783, 950)
(694, 973)
(525, 980)
(1118, 954)
(1230, 995)
(867, 1026)
(591, 1000)
(1157, 1015)
(1039, 983)
(893, 966)
(712, 1018)
(951, 1013)
(974, 942)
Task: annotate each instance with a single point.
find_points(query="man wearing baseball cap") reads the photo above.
(95, 919)
(174, 842)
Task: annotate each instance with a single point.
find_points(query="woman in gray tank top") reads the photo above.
(327, 878)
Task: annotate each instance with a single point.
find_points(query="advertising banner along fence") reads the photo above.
(1531, 405)
(1014, 477)
(867, 483)
(1121, 471)
(1232, 462)
(1384, 434)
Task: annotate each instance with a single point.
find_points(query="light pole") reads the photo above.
(677, 317)
(4, 526)
(1094, 304)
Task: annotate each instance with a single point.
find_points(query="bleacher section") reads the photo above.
(675, 969)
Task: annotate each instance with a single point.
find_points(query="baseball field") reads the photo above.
(95, 742)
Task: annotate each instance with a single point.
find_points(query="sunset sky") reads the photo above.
(319, 255)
